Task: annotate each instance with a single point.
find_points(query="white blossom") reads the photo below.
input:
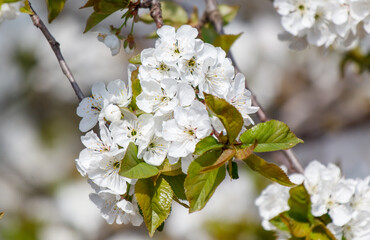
(187, 128)
(155, 152)
(9, 11)
(110, 40)
(115, 209)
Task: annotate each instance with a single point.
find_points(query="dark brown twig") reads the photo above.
(214, 16)
(155, 11)
(55, 46)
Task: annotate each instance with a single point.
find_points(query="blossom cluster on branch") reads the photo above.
(342, 23)
(342, 204)
(161, 111)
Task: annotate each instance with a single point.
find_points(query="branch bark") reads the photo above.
(155, 11)
(55, 46)
(214, 16)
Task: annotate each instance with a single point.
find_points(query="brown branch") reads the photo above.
(55, 46)
(155, 10)
(214, 16)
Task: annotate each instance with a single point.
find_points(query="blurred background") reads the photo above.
(44, 197)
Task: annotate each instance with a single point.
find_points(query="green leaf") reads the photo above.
(177, 185)
(225, 41)
(233, 170)
(243, 153)
(135, 59)
(94, 19)
(209, 34)
(228, 12)
(155, 201)
(225, 156)
(90, 3)
(110, 6)
(321, 232)
(268, 170)
(279, 223)
(270, 136)
(298, 229)
(199, 187)
(132, 167)
(26, 8)
(228, 114)
(54, 8)
(136, 88)
(300, 204)
(170, 169)
(207, 144)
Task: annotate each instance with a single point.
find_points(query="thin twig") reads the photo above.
(55, 46)
(155, 11)
(214, 16)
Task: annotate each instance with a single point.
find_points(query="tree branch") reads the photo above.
(214, 16)
(55, 46)
(155, 11)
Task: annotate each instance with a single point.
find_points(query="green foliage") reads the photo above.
(268, 170)
(102, 9)
(26, 8)
(209, 34)
(298, 220)
(135, 59)
(155, 201)
(54, 8)
(228, 12)
(225, 41)
(170, 170)
(132, 167)
(232, 169)
(136, 88)
(199, 187)
(172, 13)
(228, 114)
(207, 144)
(225, 156)
(270, 136)
(355, 56)
(177, 185)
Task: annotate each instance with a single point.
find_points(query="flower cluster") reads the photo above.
(165, 120)
(324, 22)
(9, 11)
(345, 201)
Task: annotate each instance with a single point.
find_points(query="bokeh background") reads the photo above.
(44, 197)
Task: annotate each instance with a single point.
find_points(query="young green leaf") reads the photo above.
(54, 8)
(243, 153)
(233, 170)
(228, 12)
(170, 169)
(26, 8)
(270, 136)
(94, 19)
(300, 204)
(199, 187)
(136, 88)
(209, 34)
(225, 156)
(155, 201)
(135, 59)
(228, 114)
(207, 144)
(132, 167)
(268, 170)
(177, 185)
(297, 228)
(225, 41)
(321, 232)
(110, 6)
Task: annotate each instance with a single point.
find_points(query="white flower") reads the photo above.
(152, 68)
(173, 45)
(158, 98)
(218, 74)
(155, 152)
(112, 113)
(272, 201)
(356, 229)
(120, 95)
(240, 98)
(110, 40)
(90, 107)
(9, 11)
(115, 209)
(95, 148)
(187, 128)
(361, 198)
(297, 14)
(138, 130)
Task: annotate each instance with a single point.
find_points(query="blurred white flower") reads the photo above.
(9, 11)
(110, 40)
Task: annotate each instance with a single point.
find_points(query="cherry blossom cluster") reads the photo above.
(346, 201)
(165, 121)
(342, 23)
(9, 11)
